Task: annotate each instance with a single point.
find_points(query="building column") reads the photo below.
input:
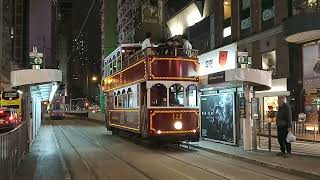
(248, 123)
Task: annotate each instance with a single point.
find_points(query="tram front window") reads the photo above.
(192, 95)
(158, 95)
(176, 95)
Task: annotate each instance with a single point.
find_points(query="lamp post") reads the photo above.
(94, 79)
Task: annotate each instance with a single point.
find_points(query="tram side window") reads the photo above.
(124, 99)
(115, 100)
(119, 99)
(192, 96)
(176, 95)
(130, 102)
(158, 95)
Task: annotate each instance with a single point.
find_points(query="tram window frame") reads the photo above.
(124, 98)
(130, 98)
(188, 95)
(157, 88)
(119, 104)
(175, 96)
(115, 100)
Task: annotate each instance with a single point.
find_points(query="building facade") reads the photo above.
(14, 20)
(268, 33)
(136, 17)
(43, 30)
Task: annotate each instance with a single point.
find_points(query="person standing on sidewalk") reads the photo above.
(284, 121)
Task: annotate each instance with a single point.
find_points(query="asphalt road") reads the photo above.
(92, 153)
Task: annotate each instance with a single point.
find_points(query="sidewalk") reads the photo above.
(44, 161)
(306, 166)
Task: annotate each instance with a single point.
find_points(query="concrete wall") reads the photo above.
(97, 116)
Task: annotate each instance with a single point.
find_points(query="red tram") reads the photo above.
(152, 94)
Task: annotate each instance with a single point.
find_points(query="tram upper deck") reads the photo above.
(130, 66)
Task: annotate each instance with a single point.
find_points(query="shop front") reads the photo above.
(227, 96)
(311, 86)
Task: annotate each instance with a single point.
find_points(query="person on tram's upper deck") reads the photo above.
(186, 46)
(147, 41)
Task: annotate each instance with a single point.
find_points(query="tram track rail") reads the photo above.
(93, 175)
(177, 149)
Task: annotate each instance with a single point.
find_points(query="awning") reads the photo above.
(234, 77)
(43, 82)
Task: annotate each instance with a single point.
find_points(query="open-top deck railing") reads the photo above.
(159, 52)
(13, 145)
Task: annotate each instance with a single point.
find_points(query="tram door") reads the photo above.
(142, 92)
(109, 106)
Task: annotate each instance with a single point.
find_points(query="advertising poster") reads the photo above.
(217, 117)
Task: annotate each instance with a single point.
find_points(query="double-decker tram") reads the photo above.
(153, 94)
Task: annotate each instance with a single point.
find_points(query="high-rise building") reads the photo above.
(42, 33)
(13, 38)
(136, 17)
(6, 36)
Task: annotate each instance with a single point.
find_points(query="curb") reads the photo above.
(263, 164)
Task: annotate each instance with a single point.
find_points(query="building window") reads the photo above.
(176, 95)
(227, 21)
(269, 62)
(158, 95)
(305, 6)
(245, 17)
(267, 10)
(192, 96)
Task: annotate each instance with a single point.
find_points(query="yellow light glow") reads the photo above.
(94, 78)
(159, 132)
(178, 125)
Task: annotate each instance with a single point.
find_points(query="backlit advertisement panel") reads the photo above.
(218, 60)
(217, 117)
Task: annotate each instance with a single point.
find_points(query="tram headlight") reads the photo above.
(178, 125)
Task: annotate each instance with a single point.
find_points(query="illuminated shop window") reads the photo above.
(192, 96)
(227, 9)
(158, 95)
(227, 21)
(176, 95)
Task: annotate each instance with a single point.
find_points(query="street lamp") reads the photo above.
(94, 78)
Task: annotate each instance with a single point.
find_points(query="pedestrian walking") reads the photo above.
(284, 122)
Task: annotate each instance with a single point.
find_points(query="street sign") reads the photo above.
(35, 57)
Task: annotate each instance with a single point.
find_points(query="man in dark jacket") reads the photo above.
(284, 121)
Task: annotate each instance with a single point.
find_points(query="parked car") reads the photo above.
(8, 119)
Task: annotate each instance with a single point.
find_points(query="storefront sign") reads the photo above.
(217, 117)
(218, 77)
(218, 60)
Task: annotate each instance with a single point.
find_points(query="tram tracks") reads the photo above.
(176, 157)
(136, 168)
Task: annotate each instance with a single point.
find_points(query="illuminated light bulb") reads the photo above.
(178, 125)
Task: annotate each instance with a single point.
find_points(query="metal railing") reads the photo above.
(159, 52)
(13, 145)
